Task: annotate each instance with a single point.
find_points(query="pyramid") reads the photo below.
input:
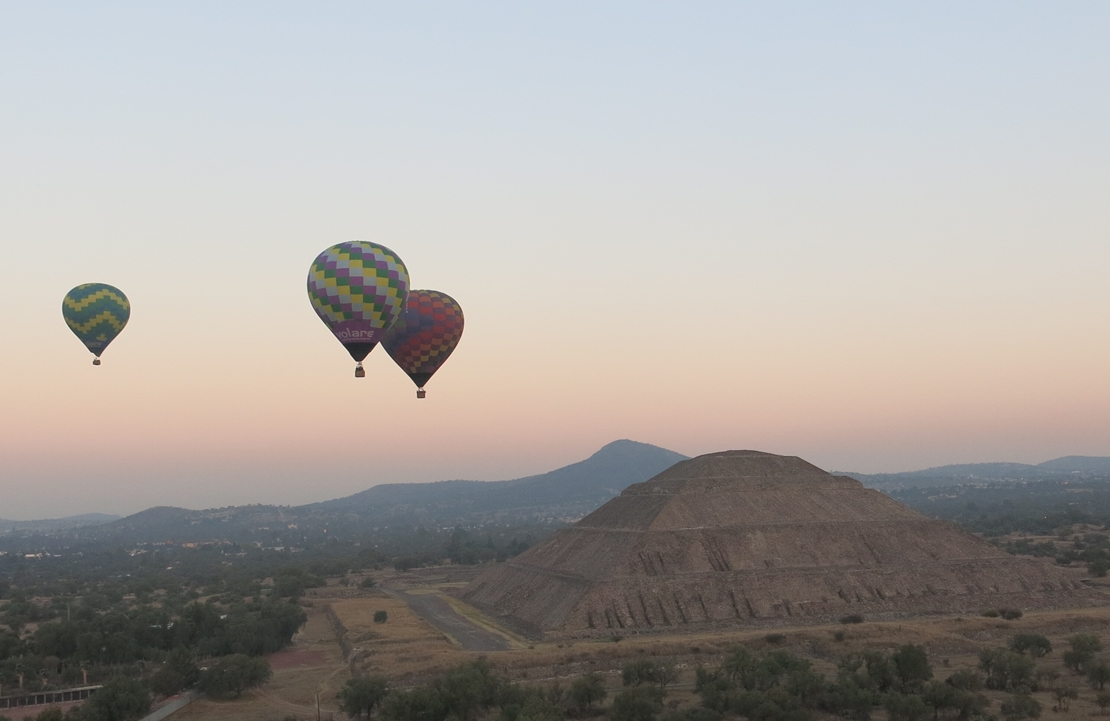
(751, 537)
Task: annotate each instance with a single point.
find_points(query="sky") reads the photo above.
(875, 235)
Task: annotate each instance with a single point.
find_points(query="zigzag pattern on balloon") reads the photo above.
(103, 317)
(79, 303)
(425, 335)
(358, 281)
(96, 313)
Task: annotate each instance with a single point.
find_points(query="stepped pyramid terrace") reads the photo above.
(744, 537)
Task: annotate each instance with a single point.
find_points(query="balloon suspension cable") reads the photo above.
(360, 372)
(96, 361)
(420, 393)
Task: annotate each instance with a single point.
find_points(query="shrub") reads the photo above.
(900, 707)
(774, 638)
(636, 704)
(990, 613)
(1010, 614)
(965, 680)
(838, 635)
(380, 616)
(852, 618)
(1021, 706)
(1035, 644)
(368, 583)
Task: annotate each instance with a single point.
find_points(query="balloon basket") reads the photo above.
(420, 393)
(96, 361)
(360, 372)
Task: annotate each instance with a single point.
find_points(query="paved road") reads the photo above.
(439, 613)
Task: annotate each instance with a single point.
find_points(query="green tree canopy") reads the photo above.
(361, 695)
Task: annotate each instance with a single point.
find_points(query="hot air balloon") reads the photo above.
(96, 313)
(358, 289)
(425, 335)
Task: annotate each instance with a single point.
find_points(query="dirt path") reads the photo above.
(438, 612)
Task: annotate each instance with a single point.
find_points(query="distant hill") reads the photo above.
(1085, 467)
(563, 494)
(572, 490)
(55, 524)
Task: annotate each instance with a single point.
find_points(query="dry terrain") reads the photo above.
(408, 649)
(313, 664)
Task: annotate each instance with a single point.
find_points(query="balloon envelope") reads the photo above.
(96, 313)
(425, 335)
(358, 289)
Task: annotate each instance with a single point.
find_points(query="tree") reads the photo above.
(636, 704)
(938, 695)
(902, 707)
(462, 693)
(1021, 706)
(1098, 674)
(360, 695)
(661, 673)
(1063, 696)
(232, 675)
(1008, 671)
(121, 699)
(966, 680)
(178, 673)
(1085, 643)
(911, 663)
(381, 616)
(1103, 700)
(1035, 644)
(586, 691)
(848, 699)
(529, 704)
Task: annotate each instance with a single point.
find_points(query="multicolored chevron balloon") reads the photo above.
(358, 289)
(96, 313)
(425, 335)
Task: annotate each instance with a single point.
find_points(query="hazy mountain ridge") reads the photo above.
(56, 524)
(568, 492)
(585, 484)
(1086, 467)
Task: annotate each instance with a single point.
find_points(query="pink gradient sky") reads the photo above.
(874, 237)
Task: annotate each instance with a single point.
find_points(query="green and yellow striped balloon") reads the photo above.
(96, 313)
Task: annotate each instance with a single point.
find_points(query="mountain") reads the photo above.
(55, 524)
(566, 493)
(1091, 465)
(569, 491)
(982, 473)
